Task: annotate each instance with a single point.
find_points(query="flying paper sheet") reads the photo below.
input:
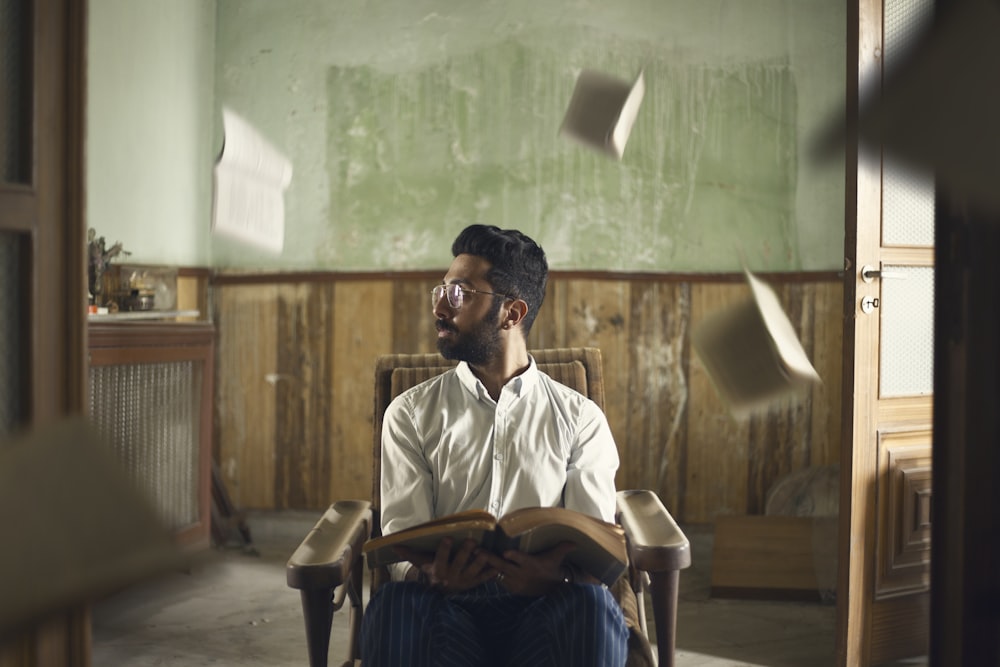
(251, 177)
(751, 352)
(603, 110)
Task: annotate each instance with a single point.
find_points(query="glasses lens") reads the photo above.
(455, 295)
(452, 292)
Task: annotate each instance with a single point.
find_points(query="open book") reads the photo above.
(602, 111)
(751, 352)
(600, 546)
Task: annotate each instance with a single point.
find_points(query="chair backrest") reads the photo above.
(577, 367)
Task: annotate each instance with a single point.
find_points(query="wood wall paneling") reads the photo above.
(717, 448)
(360, 334)
(247, 376)
(296, 360)
(655, 429)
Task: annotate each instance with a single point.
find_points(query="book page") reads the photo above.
(594, 109)
(250, 180)
(474, 525)
(751, 353)
(788, 347)
(630, 110)
(601, 548)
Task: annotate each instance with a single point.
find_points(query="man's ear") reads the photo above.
(515, 313)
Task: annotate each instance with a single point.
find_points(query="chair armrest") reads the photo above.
(325, 556)
(656, 543)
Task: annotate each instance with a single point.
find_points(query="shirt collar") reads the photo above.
(519, 385)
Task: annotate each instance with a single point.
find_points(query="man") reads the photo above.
(496, 434)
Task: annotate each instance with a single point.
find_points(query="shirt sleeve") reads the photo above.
(593, 462)
(406, 486)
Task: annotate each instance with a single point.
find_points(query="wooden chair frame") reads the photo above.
(328, 567)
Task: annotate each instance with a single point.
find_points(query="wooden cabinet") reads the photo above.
(150, 391)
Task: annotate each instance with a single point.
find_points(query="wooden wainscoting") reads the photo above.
(296, 354)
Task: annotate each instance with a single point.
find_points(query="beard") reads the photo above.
(477, 346)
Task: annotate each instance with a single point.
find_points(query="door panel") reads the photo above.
(904, 502)
(42, 249)
(883, 591)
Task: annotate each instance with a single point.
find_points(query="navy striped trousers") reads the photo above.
(408, 624)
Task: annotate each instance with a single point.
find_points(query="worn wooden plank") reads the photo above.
(549, 329)
(362, 329)
(246, 372)
(303, 390)
(717, 451)
(597, 316)
(827, 300)
(656, 426)
(778, 436)
(412, 316)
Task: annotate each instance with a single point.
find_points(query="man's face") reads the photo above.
(470, 333)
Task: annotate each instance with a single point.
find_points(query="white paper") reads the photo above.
(250, 178)
(602, 111)
(751, 352)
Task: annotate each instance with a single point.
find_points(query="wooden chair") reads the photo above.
(328, 566)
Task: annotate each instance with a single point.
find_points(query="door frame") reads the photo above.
(49, 213)
(863, 194)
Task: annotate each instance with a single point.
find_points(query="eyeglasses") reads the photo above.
(456, 294)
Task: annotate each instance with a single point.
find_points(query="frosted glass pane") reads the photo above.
(907, 195)
(907, 337)
(907, 206)
(904, 22)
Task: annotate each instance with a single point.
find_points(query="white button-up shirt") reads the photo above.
(447, 446)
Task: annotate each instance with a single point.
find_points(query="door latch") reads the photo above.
(868, 304)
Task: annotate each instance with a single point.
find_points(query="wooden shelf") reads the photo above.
(143, 315)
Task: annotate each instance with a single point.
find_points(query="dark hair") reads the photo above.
(519, 268)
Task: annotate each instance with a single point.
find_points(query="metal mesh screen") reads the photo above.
(15, 91)
(12, 345)
(150, 412)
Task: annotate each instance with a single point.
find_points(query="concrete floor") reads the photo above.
(235, 609)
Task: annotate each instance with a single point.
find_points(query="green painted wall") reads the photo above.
(150, 92)
(407, 119)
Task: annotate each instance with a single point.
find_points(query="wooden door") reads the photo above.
(885, 541)
(42, 250)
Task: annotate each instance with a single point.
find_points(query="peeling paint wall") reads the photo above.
(407, 120)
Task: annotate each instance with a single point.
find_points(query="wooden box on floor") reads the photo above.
(775, 557)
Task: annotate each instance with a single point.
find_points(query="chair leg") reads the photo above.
(356, 597)
(317, 607)
(663, 590)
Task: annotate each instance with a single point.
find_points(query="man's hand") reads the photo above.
(526, 574)
(467, 569)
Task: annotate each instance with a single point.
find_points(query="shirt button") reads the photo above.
(498, 457)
